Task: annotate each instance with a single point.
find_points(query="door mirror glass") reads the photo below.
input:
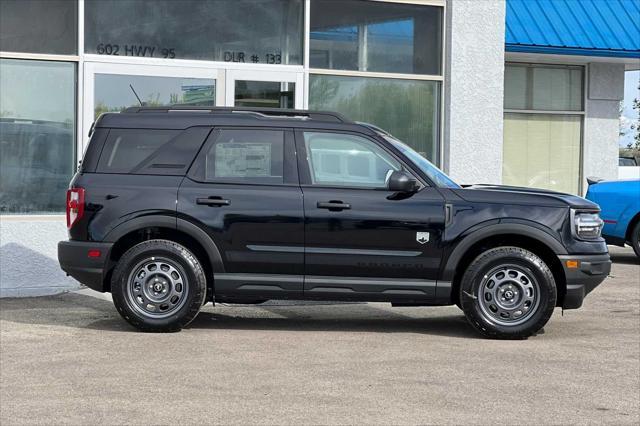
(400, 181)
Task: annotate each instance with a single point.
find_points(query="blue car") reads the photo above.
(619, 201)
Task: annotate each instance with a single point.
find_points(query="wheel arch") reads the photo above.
(527, 237)
(632, 223)
(170, 228)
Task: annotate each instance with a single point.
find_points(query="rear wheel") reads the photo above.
(158, 285)
(508, 293)
(635, 238)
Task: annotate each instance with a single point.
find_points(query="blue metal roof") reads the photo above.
(574, 27)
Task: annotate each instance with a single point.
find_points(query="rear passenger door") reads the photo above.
(243, 190)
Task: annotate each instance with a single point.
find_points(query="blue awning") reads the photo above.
(608, 28)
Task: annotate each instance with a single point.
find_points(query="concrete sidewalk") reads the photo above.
(70, 359)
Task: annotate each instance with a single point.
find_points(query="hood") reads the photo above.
(523, 196)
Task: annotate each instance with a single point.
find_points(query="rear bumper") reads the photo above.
(591, 271)
(74, 259)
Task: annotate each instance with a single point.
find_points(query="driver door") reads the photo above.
(363, 241)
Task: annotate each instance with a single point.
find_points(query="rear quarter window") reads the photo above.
(151, 151)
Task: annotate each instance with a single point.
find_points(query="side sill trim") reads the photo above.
(331, 250)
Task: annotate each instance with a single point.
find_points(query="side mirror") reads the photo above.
(399, 181)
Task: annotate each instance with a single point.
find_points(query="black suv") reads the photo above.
(175, 207)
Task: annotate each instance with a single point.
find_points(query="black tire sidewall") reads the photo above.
(529, 263)
(635, 239)
(195, 282)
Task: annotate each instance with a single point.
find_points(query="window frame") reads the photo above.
(304, 167)
(289, 164)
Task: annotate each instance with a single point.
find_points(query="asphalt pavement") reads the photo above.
(70, 359)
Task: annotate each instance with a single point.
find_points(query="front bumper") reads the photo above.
(74, 259)
(591, 271)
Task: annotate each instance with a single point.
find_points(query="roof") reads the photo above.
(608, 28)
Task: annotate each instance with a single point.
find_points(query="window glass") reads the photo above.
(543, 88)
(115, 92)
(39, 26)
(557, 89)
(338, 159)
(246, 155)
(436, 175)
(376, 36)
(37, 135)
(408, 109)
(542, 151)
(127, 148)
(270, 94)
(249, 31)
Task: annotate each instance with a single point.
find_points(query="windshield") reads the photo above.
(435, 174)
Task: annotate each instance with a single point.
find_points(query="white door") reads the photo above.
(116, 86)
(264, 89)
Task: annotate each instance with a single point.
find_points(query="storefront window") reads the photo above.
(240, 31)
(408, 109)
(39, 26)
(37, 135)
(542, 150)
(543, 88)
(115, 92)
(376, 36)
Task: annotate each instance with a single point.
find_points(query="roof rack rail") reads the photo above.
(267, 112)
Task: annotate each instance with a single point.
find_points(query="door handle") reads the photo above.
(334, 205)
(213, 202)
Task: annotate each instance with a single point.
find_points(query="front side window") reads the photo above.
(37, 134)
(255, 156)
(238, 31)
(337, 159)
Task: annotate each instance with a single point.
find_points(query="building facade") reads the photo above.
(477, 87)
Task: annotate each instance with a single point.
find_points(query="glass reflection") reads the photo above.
(115, 92)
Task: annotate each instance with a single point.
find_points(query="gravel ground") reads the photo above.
(71, 359)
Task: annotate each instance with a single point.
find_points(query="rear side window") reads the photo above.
(127, 148)
(243, 156)
(151, 152)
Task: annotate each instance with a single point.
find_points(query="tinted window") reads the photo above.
(127, 148)
(39, 26)
(245, 31)
(375, 36)
(347, 160)
(245, 156)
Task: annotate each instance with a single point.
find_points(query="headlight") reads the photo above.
(586, 225)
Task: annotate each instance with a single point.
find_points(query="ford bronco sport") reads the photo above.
(175, 207)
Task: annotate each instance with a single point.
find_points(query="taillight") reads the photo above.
(75, 205)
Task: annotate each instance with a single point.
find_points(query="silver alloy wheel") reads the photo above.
(156, 287)
(508, 295)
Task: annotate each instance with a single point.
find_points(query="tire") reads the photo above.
(508, 293)
(158, 286)
(635, 239)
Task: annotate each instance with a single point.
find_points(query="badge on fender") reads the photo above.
(422, 237)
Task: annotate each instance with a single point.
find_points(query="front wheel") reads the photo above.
(158, 285)
(508, 293)
(635, 239)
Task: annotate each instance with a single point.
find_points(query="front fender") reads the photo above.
(468, 239)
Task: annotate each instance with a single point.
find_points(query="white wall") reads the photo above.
(605, 90)
(474, 90)
(29, 256)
